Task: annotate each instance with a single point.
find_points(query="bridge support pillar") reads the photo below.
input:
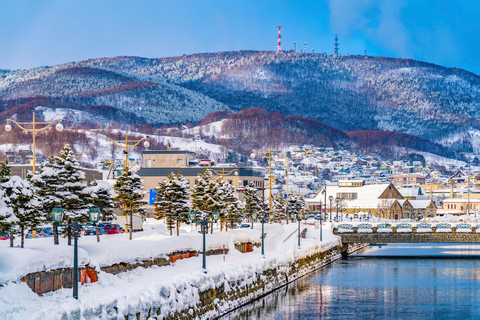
(344, 249)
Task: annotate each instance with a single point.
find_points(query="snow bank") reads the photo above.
(173, 288)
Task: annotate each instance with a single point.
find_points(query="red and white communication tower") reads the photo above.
(279, 38)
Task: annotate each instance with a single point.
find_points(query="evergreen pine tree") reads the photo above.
(199, 193)
(102, 196)
(161, 209)
(7, 218)
(205, 197)
(296, 204)
(173, 200)
(129, 189)
(279, 209)
(214, 202)
(5, 169)
(253, 202)
(231, 208)
(60, 182)
(25, 204)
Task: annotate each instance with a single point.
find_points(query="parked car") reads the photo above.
(46, 232)
(4, 237)
(113, 229)
(245, 225)
(90, 230)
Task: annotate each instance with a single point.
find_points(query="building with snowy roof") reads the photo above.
(461, 206)
(355, 196)
(157, 165)
(22, 170)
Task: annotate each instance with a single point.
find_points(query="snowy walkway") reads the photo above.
(142, 288)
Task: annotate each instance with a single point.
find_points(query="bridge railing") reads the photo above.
(406, 227)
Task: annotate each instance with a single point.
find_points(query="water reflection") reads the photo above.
(394, 282)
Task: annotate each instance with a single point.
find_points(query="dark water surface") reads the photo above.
(397, 281)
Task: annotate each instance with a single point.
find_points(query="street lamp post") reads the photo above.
(263, 219)
(321, 227)
(83, 154)
(319, 216)
(223, 174)
(298, 216)
(57, 216)
(94, 214)
(288, 192)
(330, 198)
(337, 201)
(34, 130)
(269, 157)
(125, 146)
(204, 223)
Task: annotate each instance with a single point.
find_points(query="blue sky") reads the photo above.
(38, 33)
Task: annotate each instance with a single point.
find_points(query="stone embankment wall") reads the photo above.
(426, 237)
(218, 301)
(51, 280)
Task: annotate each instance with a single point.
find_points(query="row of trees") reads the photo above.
(175, 200)
(27, 203)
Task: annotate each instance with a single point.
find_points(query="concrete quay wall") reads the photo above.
(219, 301)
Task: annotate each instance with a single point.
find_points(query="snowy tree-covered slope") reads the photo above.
(348, 93)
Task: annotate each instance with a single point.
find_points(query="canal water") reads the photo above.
(396, 281)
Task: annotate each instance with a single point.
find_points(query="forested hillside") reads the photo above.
(349, 93)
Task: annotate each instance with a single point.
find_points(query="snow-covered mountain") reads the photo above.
(348, 93)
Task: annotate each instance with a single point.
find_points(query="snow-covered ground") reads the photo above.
(174, 287)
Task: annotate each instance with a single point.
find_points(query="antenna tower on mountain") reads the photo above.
(304, 47)
(335, 46)
(295, 45)
(279, 39)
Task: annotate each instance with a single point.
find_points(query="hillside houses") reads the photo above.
(420, 188)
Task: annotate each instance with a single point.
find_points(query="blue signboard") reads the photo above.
(153, 196)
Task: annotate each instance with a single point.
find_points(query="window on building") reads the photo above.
(348, 195)
(179, 161)
(148, 163)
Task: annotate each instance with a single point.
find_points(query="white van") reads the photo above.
(137, 221)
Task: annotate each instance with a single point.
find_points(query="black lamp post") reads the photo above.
(94, 214)
(298, 216)
(318, 216)
(57, 216)
(263, 232)
(330, 198)
(204, 223)
(337, 201)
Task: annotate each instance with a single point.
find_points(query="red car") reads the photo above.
(113, 229)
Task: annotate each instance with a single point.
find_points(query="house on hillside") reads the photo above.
(457, 177)
(409, 179)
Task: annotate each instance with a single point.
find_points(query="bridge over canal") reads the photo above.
(407, 233)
